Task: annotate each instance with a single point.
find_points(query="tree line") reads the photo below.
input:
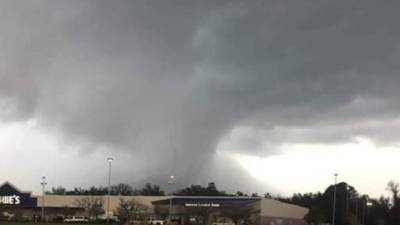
(119, 189)
(148, 190)
(351, 207)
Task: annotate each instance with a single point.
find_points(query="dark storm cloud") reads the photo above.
(171, 78)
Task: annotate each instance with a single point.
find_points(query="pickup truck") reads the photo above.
(76, 219)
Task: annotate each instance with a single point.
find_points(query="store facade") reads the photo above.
(204, 210)
(196, 210)
(22, 205)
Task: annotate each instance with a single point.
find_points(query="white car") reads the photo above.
(154, 221)
(223, 223)
(76, 219)
(111, 217)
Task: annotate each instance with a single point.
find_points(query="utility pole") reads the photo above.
(364, 201)
(43, 194)
(347, 200)
(109, 160)
(171, 182)
(334, 200)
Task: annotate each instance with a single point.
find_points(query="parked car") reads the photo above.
(223, 223)
(76, 219)
(5, 216)
(136, 222)
(155, 221)
(111, 217)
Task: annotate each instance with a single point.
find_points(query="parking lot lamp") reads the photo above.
(171, 182)
(109, 160)
(43, 193)
(334, 200)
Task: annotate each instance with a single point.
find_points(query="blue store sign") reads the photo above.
(11, 196)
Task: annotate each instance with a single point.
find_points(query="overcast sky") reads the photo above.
(266, 96)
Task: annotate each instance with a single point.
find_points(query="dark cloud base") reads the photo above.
(172, 78)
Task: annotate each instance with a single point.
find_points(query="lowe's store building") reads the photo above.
(204, 210)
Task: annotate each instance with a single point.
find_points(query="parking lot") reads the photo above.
(29, 223)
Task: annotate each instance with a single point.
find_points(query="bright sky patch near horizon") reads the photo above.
(297, 169)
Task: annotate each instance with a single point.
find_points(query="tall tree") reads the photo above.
(93, 205)
(315, 215)
(378, 211)
(198, 190)
(394, 212)
(130, 210)
(58, 190)
(393, 187)
(344, 195)
(150, 190)
(122, 189)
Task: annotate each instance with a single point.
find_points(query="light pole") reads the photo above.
(356, 210)
(109, 160)
(334, 200)
(43, 193)
(171, 182)
(347, 200)
(366, 204)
